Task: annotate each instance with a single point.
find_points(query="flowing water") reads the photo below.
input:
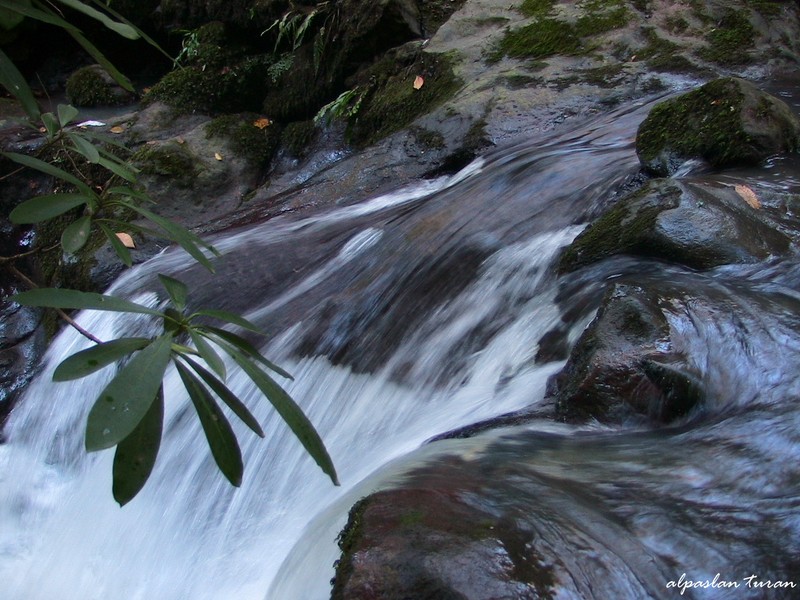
(400, 318)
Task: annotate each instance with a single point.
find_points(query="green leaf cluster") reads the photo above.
(129, 411)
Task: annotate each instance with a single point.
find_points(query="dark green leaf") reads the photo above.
(85, 148)
(15, 83)
(127, 398)
(76, 234)
(93, 359)
(47, 16)
(224, 315)
(208, 354)
(123, 252)
(48, 169)
(51, 124)
(101, 59)
(176, 289)
(66, 114)
(183, 237)
(121, 190)
(291, 414)
(42, 208)
(142, 34)
(9, 18)
(118, 169)
(61, 298)
(122, 29)
(136, 454)
(243, 345)
(227, 396)
(219, 434)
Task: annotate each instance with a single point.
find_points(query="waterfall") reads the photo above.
(468, 357)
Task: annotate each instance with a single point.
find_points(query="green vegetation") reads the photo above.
(297, 136)
(393, 102)
(541, 39)
(427, 138)
(171, 159)
(537, 8)
(95, 195)
(249, 135)
(90, 86)
(729, 42)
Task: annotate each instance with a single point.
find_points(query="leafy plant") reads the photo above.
(97, 192)
(345, 106)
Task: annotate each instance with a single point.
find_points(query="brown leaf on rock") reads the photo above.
(217, 155)
(117, 129)
(748, 195)
(418, 82)
(126, 240)
(262, 122)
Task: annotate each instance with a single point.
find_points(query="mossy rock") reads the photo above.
(93, 86)
(171, 160)
(298, 136)
(696, 225)
(393, 101)
(726, 122)
(251, 136)
(731, 40)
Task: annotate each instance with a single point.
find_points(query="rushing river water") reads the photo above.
(401, 318)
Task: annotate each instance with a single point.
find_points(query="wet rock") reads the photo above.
(696, 224)
(726, 122)
(624, 367)
(93, 86)
(430, 543)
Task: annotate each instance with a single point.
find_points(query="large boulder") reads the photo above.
(694, 223)
(726, 122)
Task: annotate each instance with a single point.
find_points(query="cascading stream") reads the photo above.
(400, 318)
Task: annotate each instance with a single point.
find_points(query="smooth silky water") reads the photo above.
(461, 360)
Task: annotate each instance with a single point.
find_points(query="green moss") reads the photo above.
(676, 24)
(546, 37)
(620, 229)
(172, 160)
(730, 41)
(214, 86)
(607, 76)
(298, 136)
(89, 87)
(246, 137)
(705, 122)
(516, 82)
(348, 539)
(766, 8)
(393, 102)
(595, 23)
(537, 8)
(429, 139)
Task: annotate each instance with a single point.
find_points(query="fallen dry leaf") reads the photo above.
(117, 129)
(180, 140)
(418, 82)
(748, 195)
(126, 240)
(262, 122)
(217, 155)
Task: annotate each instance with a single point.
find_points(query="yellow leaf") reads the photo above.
(217, 155)
(748, 195)
(126, 240)
(418, 82)
(262, 122)
(117, 129)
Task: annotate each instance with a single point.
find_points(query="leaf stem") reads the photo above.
(64, 316)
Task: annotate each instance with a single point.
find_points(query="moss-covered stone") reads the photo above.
(537, 8)
(546, 37)
(731, 40)
(92, 86)
(170, 160)
(727, 122)
(234, 87)
(394, 102)
(251, 136)
(427, 138)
